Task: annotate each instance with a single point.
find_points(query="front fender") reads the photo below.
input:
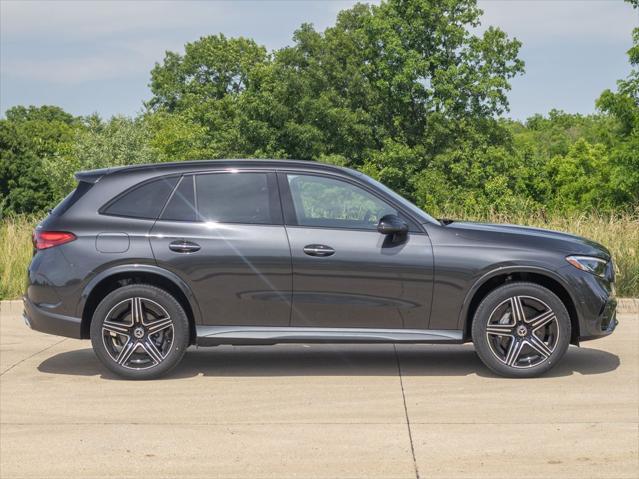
(504, 270)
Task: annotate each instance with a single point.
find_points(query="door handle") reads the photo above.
(318, 250)
(183, 246)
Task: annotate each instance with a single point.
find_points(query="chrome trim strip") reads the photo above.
(255, 334)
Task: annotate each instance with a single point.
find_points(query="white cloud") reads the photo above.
(75, 70)
(93, 40)
(94, 18)
(81, 19)
(84, 43)
(535, 21)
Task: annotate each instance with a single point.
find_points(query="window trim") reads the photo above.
(103, 209)
(288, 207)
(272, 184)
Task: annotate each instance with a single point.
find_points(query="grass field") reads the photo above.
(619, 234)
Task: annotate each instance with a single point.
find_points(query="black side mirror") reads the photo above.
(392, 225)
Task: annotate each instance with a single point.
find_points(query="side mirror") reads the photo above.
(392, 225)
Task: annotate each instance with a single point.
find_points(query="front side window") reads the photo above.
(237, 198)
(144, 201)
(332, 203)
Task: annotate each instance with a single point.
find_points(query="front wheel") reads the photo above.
(521, 330)
(139, 331)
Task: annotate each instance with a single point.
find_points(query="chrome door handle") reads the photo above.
(183, 246)
(318, 250)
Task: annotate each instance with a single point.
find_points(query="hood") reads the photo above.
(530, 236)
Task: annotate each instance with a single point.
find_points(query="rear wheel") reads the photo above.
(139, 331)
(521, 330)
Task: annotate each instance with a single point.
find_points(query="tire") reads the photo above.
(521, 330)
(139, 332)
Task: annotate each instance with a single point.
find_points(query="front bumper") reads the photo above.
(602, 325)
(594, 301)
(40, 319)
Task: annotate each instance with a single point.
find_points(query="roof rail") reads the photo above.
(93, 176)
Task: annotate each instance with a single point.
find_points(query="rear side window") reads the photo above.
(144, 201)
(71, 198)
(238, 198)
(181, 205)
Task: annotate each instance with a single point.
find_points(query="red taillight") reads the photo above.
(49, 239)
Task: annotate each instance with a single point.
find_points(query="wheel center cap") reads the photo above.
(138, 332)
(522, 330)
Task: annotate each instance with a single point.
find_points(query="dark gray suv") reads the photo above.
(147, 260)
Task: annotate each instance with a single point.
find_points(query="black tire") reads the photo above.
(144, 344)
(521, 330)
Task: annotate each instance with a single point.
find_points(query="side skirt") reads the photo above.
(239, 335)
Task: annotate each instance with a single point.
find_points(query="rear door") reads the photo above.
(222, 232)
(345, 273)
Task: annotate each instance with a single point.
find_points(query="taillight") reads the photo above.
(49, 239)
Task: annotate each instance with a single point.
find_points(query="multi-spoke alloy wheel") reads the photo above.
(139, 331)
(521, 329)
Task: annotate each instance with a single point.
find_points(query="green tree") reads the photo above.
(407, 91)
(403, 73)
(29, 138)
(100, 144)
(623, 105)
(211, 68)
(203, 87)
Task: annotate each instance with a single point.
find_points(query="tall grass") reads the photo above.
(15, 254)
(620, 234)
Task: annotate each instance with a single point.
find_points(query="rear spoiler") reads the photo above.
(92, 176)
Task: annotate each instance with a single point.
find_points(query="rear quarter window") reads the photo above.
(144, 201)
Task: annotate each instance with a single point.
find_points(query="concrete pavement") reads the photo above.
(324, 411)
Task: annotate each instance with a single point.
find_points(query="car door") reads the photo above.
(222, 232)
(345, 273)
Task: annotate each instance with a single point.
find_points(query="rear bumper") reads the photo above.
(45, 321)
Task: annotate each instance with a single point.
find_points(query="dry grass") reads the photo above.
(15, 254)
(620, 234)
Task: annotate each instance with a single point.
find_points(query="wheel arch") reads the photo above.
(541, 276)
(113, 278)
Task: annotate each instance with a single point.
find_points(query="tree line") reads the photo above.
(407, 92)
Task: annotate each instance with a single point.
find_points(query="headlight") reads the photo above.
(590, 264)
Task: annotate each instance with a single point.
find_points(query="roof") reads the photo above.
(93, 176)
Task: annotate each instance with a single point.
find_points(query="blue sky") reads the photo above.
(95, 56)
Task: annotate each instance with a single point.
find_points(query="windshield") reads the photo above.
(400, 199)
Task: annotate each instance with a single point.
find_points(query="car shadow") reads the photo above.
(330, 360)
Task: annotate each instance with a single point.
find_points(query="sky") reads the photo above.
(96, 56)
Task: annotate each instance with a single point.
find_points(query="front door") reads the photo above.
(223, 234)
(345, 273)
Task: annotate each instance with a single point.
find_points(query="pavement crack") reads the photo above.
(410, 433)
(33, 355)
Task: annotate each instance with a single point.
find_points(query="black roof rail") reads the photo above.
(93, 176)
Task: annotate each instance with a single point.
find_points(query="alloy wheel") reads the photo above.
(522, 331)
(138, 333)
